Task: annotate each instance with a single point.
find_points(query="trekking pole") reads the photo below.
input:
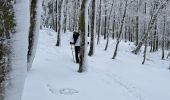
(72, 53)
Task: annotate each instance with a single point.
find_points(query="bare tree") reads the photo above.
(56, 6)
(163, 39)
(33, 31)
(108, 25)
(93, 12)
(150, 26)
(100, 21)
(83, 30)
(105, 20)
(121, 29)
(60, 12)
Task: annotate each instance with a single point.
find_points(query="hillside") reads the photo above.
(54, 75)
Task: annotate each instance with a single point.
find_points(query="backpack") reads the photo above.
(75, 37)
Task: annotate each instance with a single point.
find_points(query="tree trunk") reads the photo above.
(56, 16)
(91, 51)
(60, 12)
(168, 55)
(121, 29)
(163, 39)
(108, 25)
(53, 17)
(83, 30)
(33, 31)
(113, 28)
(126, 31)
(100, 21)
(65, 17)
(137, 30)
(145, 50)
(105, 22)
(155, 38)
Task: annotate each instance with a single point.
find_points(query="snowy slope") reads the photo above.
(54, 75)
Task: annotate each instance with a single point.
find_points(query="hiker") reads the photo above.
(75, 40)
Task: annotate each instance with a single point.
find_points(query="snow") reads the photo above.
(18, 52)
(54, 75)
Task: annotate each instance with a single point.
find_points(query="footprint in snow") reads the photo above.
(63, 91)
(52, 90)
(68, 91)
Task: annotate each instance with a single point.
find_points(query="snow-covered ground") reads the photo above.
(54, 75)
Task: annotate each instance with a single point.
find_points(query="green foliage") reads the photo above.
(7, 22)
(7, 26)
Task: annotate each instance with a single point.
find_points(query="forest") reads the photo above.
(139, 27)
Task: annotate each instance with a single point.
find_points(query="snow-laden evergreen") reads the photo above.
(18, 52)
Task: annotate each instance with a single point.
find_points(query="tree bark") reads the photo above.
(33, 31)
(137, 30)
(163, 39)
(60, 9)
(56, 16)
(121, 29)
(100, 21)
(105, 22)
(145, 50)
(91, 51)
(83, 37)
(108, 25)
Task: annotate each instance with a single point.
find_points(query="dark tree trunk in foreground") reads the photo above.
(83, 37)
(33, 32)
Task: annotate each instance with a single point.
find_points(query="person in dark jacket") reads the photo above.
(75, 40)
